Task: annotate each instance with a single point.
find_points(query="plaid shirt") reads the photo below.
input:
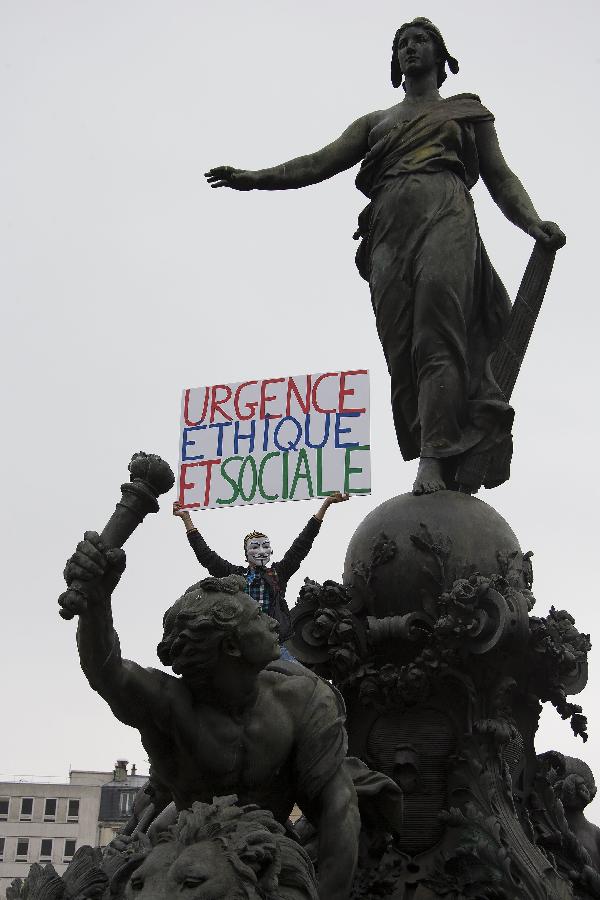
(258, 589)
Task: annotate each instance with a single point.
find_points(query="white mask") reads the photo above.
(258, 552)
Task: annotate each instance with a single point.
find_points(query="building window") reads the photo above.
(22, 850)
(50, 811)
(46, 849)
(4, 809)
(1, 849)
(73, 811)
(26, 809)
(126, 803)
(69, 850)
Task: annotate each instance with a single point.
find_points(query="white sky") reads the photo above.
(125, 278)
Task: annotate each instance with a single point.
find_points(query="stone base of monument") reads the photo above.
(443, 667)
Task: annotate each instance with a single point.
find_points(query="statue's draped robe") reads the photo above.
(439, 305)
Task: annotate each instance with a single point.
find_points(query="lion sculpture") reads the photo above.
(216, 851)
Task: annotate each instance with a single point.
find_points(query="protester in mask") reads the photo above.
(266, 583)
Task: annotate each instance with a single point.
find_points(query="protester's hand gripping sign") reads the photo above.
(289, 438)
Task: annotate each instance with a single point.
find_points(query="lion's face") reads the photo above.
(200, 871)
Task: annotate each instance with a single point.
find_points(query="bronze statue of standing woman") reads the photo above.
(439, 306)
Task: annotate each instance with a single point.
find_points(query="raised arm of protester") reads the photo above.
(266, 582)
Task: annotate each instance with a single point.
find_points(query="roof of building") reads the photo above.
(110, 802)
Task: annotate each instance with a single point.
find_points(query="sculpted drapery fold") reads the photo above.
(439, 305)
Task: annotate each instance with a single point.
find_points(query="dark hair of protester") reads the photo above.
(251, 536)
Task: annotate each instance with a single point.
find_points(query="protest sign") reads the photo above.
(275, 439)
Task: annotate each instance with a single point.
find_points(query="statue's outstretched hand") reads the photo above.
(549, 234)
(227, 176)
(96, 569)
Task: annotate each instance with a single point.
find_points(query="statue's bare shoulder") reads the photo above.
(381, 121)
(300, 690)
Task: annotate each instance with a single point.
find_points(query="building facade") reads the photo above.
(47, 822)
(116, 801)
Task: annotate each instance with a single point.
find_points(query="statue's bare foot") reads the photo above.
(429, 476)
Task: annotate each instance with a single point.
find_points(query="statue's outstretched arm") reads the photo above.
(508, 192)
(129, 689)
(343, 153)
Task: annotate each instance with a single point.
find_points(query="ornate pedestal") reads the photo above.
(443, 669)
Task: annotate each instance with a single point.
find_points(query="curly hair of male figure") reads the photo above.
(195, 626)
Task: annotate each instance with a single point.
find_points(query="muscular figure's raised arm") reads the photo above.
(133, 693)
(343, 153)
(508, 192)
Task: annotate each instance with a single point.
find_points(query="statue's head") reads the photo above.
(571, 779)
(577, 788)
(419, 44)
(216, 618)
(257, 549)
(223, 852)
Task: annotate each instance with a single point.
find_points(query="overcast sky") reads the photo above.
(125, 278)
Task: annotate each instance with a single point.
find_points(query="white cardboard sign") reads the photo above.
(291, 438)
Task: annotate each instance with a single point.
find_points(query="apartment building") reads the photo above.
(46, 822)
(116, 801)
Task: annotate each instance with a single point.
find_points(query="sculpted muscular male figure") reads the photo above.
(235, 721)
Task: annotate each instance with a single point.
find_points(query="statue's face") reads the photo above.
(257, 637)
(417, 51)
(259, 552)
(198, 872)
(575, 792)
